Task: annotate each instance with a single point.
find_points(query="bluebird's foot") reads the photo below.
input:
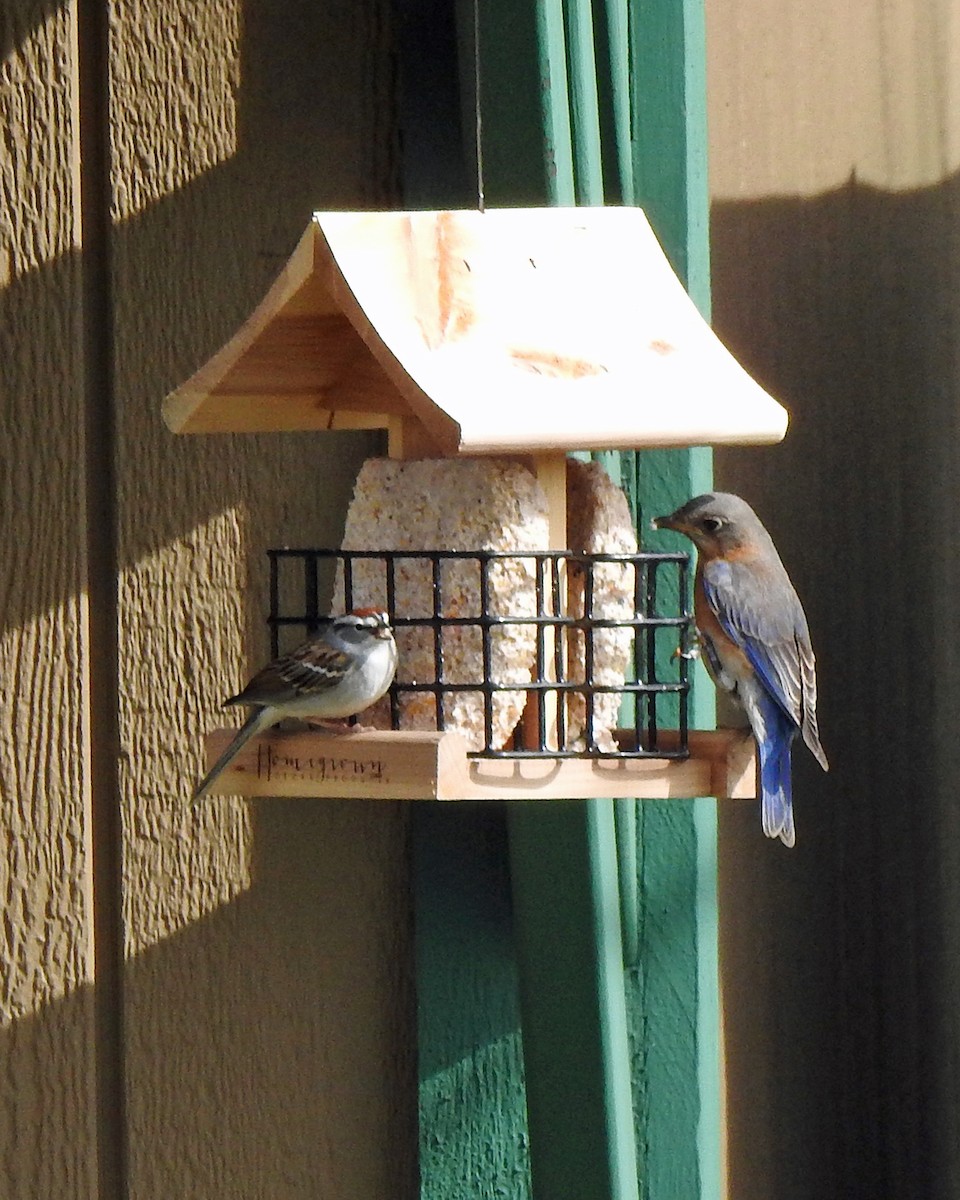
(691, 654)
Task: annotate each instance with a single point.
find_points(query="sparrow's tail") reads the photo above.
(259, 719)
(775, 783)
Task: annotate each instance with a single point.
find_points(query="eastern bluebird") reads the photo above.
(755, 639)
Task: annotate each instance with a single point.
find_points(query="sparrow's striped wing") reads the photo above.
(311, 669)
(762, 613)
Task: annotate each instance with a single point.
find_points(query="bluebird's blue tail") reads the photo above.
(775, 782)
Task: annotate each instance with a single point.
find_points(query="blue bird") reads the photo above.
(755, 640)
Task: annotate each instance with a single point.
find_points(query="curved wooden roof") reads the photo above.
(511, 330)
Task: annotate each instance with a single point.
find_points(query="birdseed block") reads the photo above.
(442, 504)
(599, 522)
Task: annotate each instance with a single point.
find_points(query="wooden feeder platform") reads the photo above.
(384, 765)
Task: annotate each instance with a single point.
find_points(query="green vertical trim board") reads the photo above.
(669, 102)
(473, 1140)
(575, 1041)
(569, 906)
(675, 1002)
(616, 28)
(555, 111)
(673, 993)
(584, 102)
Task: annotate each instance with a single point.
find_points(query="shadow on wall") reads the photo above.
(211, 1039)
(189, 265)
(841, 961)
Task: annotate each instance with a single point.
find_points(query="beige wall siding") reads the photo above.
(834, 153)
(267, 1026)
(804, 97)
(46, 999)
(264, 1013)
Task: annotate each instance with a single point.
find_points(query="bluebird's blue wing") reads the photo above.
(761, 612)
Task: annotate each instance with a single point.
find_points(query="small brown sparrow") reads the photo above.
(337, 674)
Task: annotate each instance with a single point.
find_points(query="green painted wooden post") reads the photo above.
(584, 102)
(575, 1039)
(473, 1128)
(555, 112)
(563, 856)
(615, 34)
(674, 996)
(567, 898)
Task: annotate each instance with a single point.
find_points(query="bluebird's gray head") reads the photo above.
(720, 525)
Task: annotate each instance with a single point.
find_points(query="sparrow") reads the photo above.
(334, 675)
(755, 640)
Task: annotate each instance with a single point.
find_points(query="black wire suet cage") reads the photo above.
(565, 677)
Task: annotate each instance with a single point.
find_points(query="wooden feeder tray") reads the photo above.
(435, 766)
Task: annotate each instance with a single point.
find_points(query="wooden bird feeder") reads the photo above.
(514, 332)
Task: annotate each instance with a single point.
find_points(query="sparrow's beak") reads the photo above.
(384, 632)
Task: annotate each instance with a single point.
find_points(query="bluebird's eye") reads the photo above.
(712, 524)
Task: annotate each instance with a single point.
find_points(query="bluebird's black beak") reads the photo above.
(667, 522)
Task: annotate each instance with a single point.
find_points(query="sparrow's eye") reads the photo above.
(712, 524)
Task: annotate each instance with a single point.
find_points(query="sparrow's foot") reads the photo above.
(337, 725)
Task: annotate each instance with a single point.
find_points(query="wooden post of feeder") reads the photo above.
(551, 473)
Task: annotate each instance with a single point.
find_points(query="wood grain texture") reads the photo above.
(268, 1012)
(836, 272)
(47, 1085)
(423, 766)
(481, 322)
